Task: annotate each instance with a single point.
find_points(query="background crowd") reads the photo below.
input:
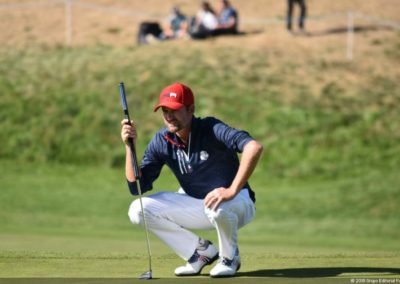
(206, 23)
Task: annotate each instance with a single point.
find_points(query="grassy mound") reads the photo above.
(326, 117)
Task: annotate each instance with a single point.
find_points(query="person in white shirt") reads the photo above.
(205, 22)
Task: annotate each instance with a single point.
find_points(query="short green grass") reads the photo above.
(70, 221)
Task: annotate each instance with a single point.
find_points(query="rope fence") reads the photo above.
(350, 16)
(27, 5)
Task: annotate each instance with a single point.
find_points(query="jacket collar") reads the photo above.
(174, 139)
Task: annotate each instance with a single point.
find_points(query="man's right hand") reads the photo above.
(128, 131)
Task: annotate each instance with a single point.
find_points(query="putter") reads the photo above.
(148, 274)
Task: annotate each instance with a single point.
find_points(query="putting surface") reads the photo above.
(82, 257)
(67, 230)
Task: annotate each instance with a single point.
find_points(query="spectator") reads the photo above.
(176, 25)
(204, 23)
(148, 32)
(227, 19)
(303, 11)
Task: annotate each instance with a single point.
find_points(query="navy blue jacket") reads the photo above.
(209, 160)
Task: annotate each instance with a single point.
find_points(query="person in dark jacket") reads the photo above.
(214, 190)
(302, 17)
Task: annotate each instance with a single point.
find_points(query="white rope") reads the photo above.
(28, 5)
(350, 35)
(382, 22)
(266, 21)
(115, 10)
(68, 22)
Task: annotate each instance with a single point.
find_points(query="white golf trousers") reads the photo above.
(170, 216)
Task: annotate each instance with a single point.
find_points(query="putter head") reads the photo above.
(146, 275)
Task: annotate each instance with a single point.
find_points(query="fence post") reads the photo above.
(68, 22)
(350, 34)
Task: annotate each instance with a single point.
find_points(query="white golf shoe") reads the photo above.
(226, 267)
(204, 255)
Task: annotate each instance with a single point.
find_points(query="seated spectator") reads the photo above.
(227, 19)
(148, 32)
(205, 22)
(176, 25)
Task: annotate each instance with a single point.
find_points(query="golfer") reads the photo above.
(214, 192)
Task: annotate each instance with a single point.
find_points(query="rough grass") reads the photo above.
(68, 100)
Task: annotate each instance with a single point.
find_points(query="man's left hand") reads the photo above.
(217, 196)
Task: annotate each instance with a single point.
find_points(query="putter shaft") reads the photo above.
(135, 166)
(145, 225)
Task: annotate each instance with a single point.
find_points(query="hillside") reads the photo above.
(320, 110)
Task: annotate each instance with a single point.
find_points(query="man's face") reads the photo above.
(177, 120)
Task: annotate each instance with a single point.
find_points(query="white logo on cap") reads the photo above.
(172, 95)
(204, 155)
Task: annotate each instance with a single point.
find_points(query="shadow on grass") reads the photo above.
(356, 29)
(316, 272)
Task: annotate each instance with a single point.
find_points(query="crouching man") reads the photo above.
(214, 193)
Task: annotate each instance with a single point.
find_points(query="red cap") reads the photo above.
(175, 97)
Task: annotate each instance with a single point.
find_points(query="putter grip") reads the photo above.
(130, 140)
